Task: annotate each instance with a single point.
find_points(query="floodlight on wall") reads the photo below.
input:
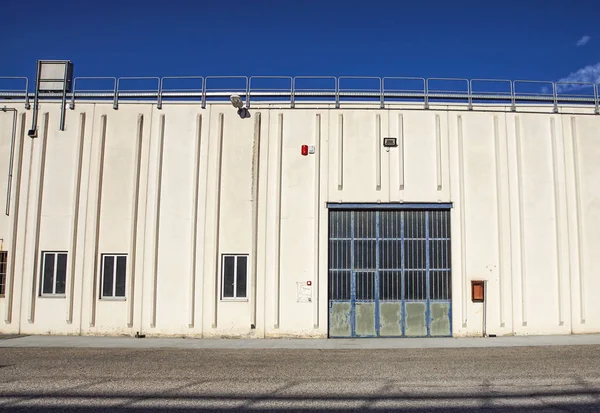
(390, 142)
(53, 76)
(238, 103)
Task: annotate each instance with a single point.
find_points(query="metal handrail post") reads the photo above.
(116, 98)
(470, 94)
(247, 93)
(27, 105)
(596, 109)
(159, 97)
(72, 103)
(36, 98)
(381, 94)
(337, 93)
(63, 103)
(513, 106)
(554, 93)
(292, 97)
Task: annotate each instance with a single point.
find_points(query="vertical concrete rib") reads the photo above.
(10, 279)
(400, 152)
(194, 243)
(438, 151)
(317, 217)
(203, 213)
(94, 298)
(217, 220)
(255, 192)
(38, 219)
(557, 227)
(89, 188)
(463, 232)
(378, 152)
(578, 216)
(509, 228)
(500, 219)
(75, 222)
(568, 213)
(27, 225)
(278, 221)
(340, 152)
(522, 239)
(265, 214)
(161, 145)
(131, 262)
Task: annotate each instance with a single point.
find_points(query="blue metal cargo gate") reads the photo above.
(389, 271)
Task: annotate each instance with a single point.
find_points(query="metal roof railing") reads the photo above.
(314, 87)
(295, 90)
(179, 89)
(9, 92)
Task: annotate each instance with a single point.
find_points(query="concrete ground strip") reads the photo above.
(321, 344)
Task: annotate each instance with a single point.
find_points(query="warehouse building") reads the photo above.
(256, 210)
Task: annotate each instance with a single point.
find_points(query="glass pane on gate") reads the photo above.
(340, 285)
(364, 254)
(365, 319)
(390, 313)
(440, 319)
(415, 319)
(365, 286)
(390, 288)
(340, 324)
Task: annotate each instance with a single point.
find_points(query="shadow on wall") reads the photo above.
(454, 402)
(550, 408)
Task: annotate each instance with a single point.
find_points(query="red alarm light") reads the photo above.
(304, 150)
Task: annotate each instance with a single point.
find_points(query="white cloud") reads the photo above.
(588, 74)
(583, 41)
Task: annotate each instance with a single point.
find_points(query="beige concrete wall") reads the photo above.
(178, 187)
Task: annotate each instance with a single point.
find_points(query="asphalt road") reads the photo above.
(540, 379)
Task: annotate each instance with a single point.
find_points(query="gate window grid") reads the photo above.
(359, 248)
(234, 277)
(114, 276)
(53, 273)
(3, 267)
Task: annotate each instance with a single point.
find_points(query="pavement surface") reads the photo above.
(559, 378)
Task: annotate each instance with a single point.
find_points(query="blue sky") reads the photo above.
(512, 39)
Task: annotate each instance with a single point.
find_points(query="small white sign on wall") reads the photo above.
(304, 292)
